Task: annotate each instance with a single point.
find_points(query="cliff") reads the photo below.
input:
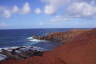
(61, 36)
(80, 50)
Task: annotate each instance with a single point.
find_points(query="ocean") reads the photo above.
(23, 37)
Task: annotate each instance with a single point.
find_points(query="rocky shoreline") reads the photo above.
(20, 53)
(62, 37)
(79, 48)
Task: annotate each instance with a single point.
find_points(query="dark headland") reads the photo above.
(79, 47)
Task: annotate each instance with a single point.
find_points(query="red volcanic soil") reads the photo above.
(81, 50)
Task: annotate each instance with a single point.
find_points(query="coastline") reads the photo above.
(79, 48)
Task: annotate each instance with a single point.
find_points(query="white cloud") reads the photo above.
(4, 12)
(7, 13)
(15, 9)
(26, 8)
(50, 10)
(53, 5)
(76, 8)
(37, 11)
(60, 19)
(2, 24)
(82, 9)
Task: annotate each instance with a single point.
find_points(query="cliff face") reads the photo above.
(80, 50)
(62, 36)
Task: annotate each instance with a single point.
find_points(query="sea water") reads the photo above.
(23, 37)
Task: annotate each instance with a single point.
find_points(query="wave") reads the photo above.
(2, 57)
(35, 40)
(30, 38)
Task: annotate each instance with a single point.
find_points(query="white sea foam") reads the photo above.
(8, 48)
(2, 57)
(35, 40)
(30, 38)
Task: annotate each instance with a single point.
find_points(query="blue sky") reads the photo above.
(19, 14)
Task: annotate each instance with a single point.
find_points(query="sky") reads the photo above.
(20, 14)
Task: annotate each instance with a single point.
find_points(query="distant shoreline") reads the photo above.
(44, 28)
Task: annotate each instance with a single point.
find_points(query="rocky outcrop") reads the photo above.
(61, 36)
(37, 37)
(80, 50)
